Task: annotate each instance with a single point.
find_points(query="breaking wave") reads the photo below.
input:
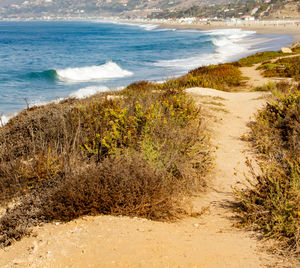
(5, 118)
(108, 70)
(88, 91)
(230, 44)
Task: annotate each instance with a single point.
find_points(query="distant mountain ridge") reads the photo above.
(260, 9)
(81, 8)
(31, 9)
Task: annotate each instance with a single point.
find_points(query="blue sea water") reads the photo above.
(42, 61)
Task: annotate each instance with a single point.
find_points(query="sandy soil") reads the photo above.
(209, 240)
(259, 27)
(256, 78)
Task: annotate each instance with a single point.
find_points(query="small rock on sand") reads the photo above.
(286, 50)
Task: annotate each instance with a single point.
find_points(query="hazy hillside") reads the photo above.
(82, 8)
(261, 9)
(288, 9)
(15, 9)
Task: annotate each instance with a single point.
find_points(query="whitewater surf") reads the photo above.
(46, 61)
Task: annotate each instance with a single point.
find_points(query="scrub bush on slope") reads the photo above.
(140, 152)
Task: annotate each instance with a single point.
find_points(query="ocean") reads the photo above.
(45, 61)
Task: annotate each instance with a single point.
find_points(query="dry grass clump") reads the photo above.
(31, 143)
(140, 153)
(270, 86)
(296, 48)
(272, 201)
(223, 77)
(139, 88)
(258, 58)
(287, 67)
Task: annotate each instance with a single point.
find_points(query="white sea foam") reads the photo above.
(88, 91)
(106, 71)
(40, 102)
(5, 118)
(230, 44)
(231, 33)
(148, 27)
(79, 94)
(152, 27)
(119, 88)
(160, 81)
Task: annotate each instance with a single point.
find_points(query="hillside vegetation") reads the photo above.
(139, 153)
(271, 201)
(144, 151)
(287, 67)
(274, 9)
(221, 9)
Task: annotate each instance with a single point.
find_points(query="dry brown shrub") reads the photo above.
(139, 88)
(271, 201)
(120, 185)
(138, 154)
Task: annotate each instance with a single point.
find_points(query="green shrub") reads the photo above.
(222, 77)
(138, 153)
(296, 49)
(287, 67)
(270, 86)
(258, 58)
(272, 201)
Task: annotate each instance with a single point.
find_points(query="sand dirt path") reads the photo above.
(209, 240)
(256, 79)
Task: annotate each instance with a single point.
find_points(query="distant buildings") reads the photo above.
(247, 18)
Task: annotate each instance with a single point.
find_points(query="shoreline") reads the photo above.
(260, 27)
(4, 118)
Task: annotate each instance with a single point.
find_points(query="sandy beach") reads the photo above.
(261, 27)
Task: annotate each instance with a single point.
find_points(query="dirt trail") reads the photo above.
(206, 241)
(256, 78)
